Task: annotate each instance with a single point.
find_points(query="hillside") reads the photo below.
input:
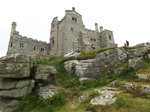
(121, 86)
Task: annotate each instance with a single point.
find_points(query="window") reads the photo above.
(94, 39)
(109, 37)
(42, 49)
(74, 19)
(52, 40)
(53, 25)
(11, 44)
(21, 45)
(72, 29)
(34, 48)
(91, 39)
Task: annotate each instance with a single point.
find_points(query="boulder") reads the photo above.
(122, 54)
(70, 65)
(14, 88)
(105, 99)
(143, 76)
(119, 71)
(88, 69)
(15, 66)
(135, 63)
(107, 90)
(145, 89)
(128, 86)
(83, 97)
(47, 91)
(45, 72)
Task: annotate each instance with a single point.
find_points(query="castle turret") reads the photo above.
(73, 8)
(101, 28)
(13, 27)
(96, 27)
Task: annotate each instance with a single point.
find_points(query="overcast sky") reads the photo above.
(128, 19)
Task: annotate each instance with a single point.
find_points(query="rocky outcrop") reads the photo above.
(7, 105)
(15, 66)
(106, 97)
(15, 89)
(143, 76)
(135, 63)
(136, 88)
(15, 80)
(106, 61)
(45, 72)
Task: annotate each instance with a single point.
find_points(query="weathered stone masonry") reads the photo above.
(66, 35)
(25, 45)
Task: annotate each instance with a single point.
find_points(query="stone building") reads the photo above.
(25, 45)
(66, 35)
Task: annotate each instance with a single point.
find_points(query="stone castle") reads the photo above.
(66, 36)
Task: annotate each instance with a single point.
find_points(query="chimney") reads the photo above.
(96, 27)
(73, 8)
(101, 28)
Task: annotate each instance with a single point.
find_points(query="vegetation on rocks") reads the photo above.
(67, 99)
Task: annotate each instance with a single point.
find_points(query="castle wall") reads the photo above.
(69, 29)
(92, 38)
(107, 39)
(22, 44)
(66, 36)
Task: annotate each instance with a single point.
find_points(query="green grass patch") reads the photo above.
(124, 103)
(146, 68)
(33, 103)
(90, 54)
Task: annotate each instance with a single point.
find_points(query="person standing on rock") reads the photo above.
(127, 43)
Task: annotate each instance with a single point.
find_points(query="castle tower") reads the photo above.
(54, 36)
(96, 27)
(13, 27)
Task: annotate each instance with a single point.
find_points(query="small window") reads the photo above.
(34, 48)
(11, 44)
(78, 40)
(109, 37)
(72, 29)
(74, 19)
(53, 41)
(21, 45)
(94, 39)
(91, 39)
(42, 49)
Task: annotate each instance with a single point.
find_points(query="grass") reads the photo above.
(146, 68)
(33, 103)
(124, 103)
(90, 54)
(72, 88)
